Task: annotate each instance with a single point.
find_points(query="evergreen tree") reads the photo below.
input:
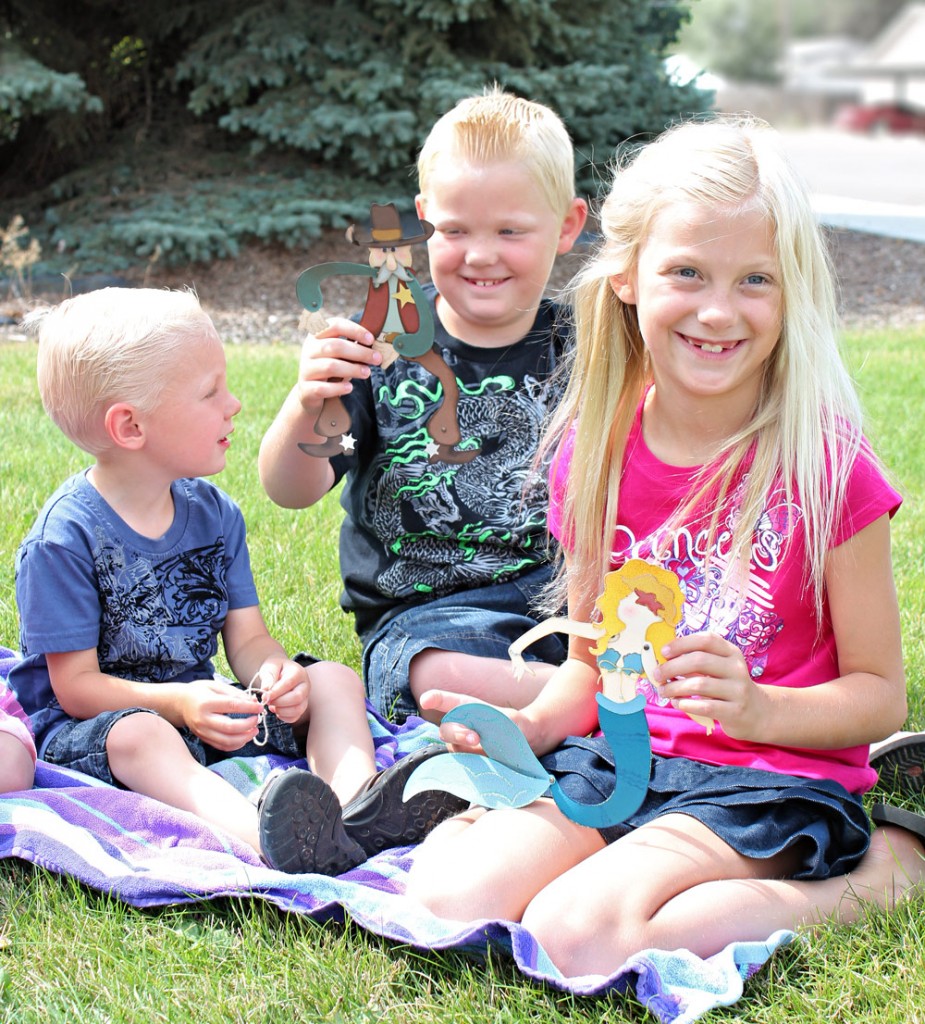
(304, 111)
(359, 82)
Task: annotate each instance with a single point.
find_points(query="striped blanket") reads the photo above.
(148, 855)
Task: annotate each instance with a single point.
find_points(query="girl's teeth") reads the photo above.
(707, 347)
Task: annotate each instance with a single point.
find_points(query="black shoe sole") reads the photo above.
(378, 818)
(901, 765)
(300, 827)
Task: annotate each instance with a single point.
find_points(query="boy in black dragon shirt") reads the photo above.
(444, 558)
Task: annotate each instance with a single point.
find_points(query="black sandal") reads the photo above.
(887, 814)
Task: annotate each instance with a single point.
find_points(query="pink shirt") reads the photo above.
(773, 622)
(14, 720)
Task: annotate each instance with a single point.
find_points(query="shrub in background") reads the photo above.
(202, 125)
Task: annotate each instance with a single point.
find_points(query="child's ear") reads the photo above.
(123, 426)
(624, 289)
(419, 205)
(572, 225)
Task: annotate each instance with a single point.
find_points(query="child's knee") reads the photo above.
(426, 883)
(132, 736)
(560, 932)
(445, 895)
(580, 936)
(18, 768)
(437, 880)
(330, 679)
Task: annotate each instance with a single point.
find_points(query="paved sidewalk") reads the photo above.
(862, 182)
(892, 219)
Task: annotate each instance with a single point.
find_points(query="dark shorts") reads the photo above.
(758, 813)
(81, 744)
(484, 622)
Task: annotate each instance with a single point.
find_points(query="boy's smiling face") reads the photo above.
(493, 248)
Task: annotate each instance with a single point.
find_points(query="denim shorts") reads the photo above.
(484, 621)
(758, 813)
(81, 744)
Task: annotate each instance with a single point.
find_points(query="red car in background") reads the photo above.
(885, 118)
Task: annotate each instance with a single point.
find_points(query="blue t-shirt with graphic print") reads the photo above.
(152, 608)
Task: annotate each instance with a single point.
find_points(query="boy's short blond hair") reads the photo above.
(107, 346)
(499, 126)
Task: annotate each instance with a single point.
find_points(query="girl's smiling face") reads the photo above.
(708, 299)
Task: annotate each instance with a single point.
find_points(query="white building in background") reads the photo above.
(815, 66)
(891, 69)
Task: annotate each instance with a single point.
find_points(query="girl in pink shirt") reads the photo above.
(709, 418)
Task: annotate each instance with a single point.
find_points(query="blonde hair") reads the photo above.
(497, 126)
(804, 433)
(110, 345)
(639, 576)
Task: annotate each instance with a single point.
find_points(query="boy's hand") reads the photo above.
(206, 707)
(286, 687)
(706, 676)
(330, 359)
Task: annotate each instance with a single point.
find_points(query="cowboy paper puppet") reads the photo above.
(398, 315)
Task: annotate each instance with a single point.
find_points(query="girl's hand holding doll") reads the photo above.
(706, 676)
(459, 738)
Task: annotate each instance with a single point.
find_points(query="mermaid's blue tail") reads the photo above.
(627, 732)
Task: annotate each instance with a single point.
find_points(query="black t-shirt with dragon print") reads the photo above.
(418, 528)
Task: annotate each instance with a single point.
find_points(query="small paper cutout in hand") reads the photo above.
(508, 774)
(398, 315)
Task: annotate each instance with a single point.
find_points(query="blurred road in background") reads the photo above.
(864, 183)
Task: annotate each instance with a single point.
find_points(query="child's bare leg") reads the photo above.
(675, 884)
(488, 679)
(148, 756)
(339, 746)
(491, 864)
(18, 771)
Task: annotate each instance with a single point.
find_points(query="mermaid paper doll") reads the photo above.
(638, 611)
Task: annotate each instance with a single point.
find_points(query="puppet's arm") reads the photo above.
(308, 286)
(588, 630)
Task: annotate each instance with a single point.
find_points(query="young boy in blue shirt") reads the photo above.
(444, 556)
(133, 569)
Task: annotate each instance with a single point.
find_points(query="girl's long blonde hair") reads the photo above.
(806, 427)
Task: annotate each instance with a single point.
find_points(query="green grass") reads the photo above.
(69, 954)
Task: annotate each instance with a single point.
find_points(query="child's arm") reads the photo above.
(203, 706)
(867, 701)
(329, 361)
(565, 706)
(254, 655)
